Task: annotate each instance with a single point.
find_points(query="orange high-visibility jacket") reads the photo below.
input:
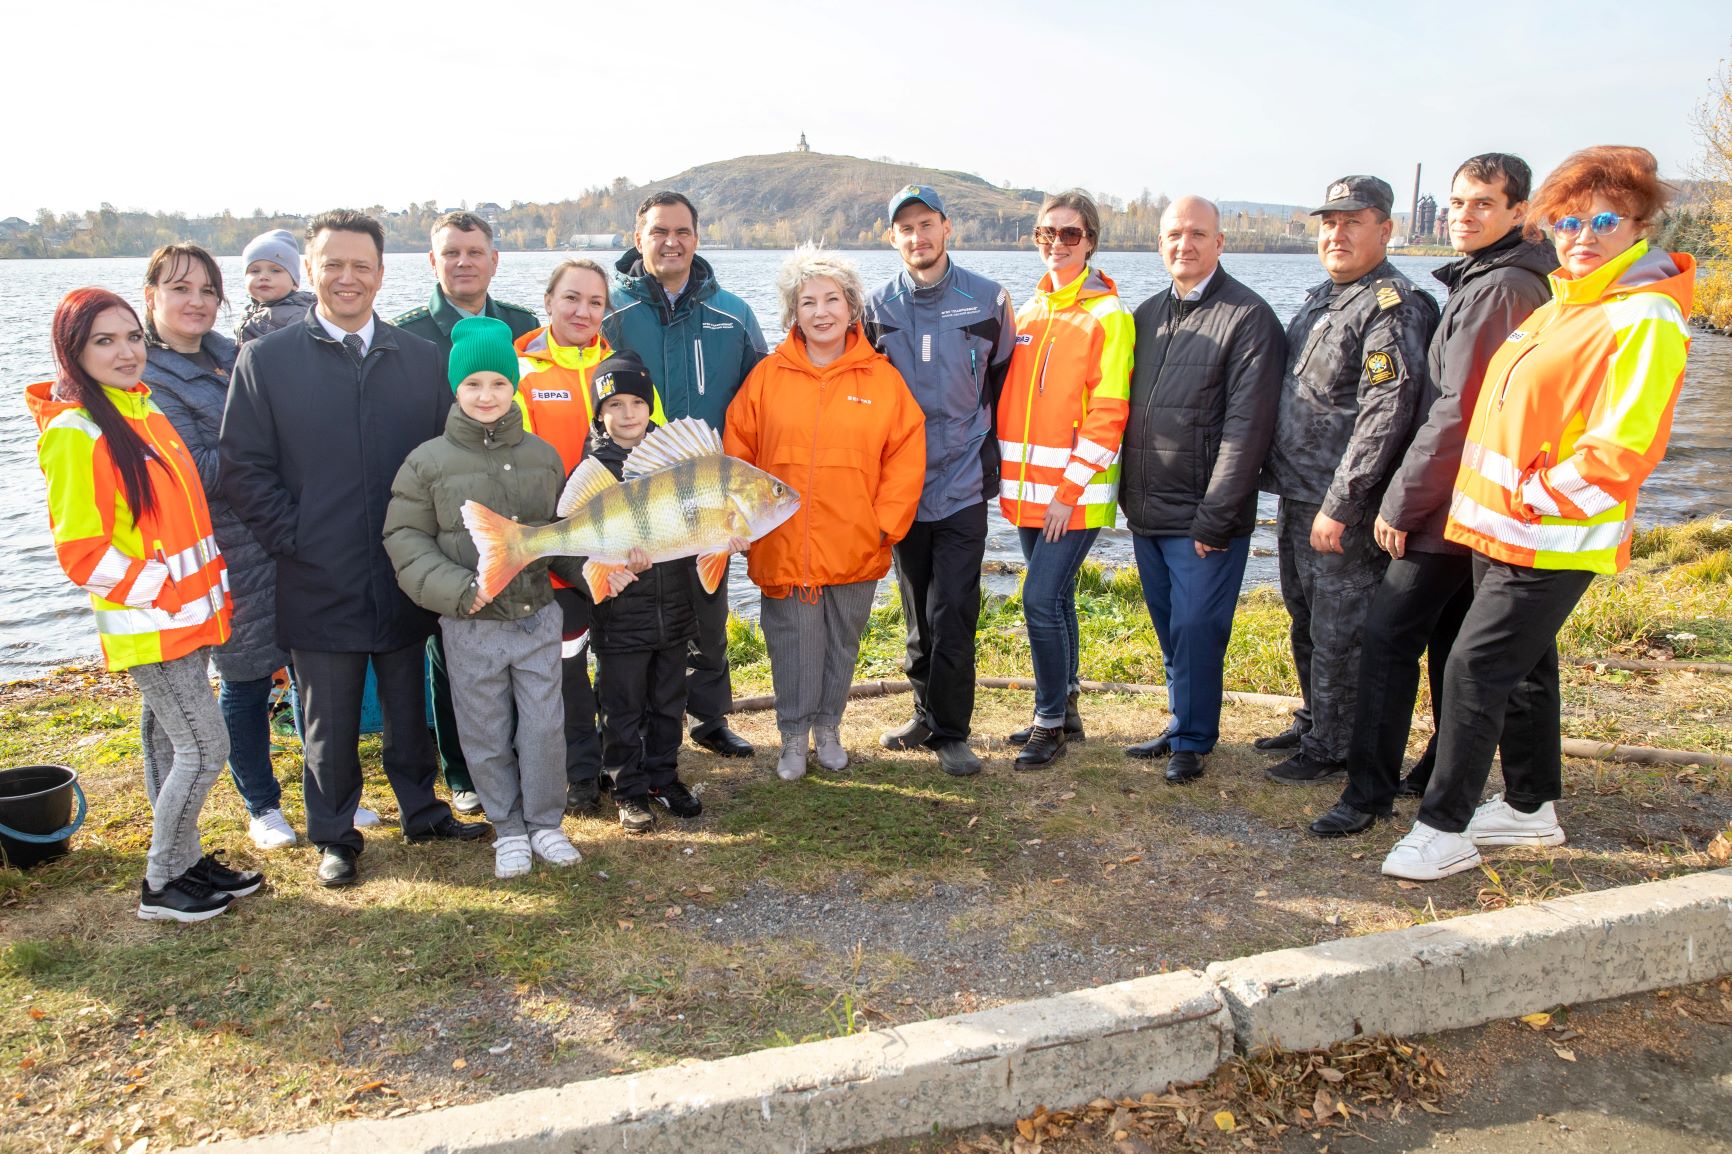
(1574, 414)
(553, 390)
(157, 582)
(851, 439)
(1066, 396)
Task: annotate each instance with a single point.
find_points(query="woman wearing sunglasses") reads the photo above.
(1574, 415)
(1060, 419)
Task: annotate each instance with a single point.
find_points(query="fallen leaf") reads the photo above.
(139, 1147)
(1429, 1108)
(1058, 882)
(1720, 849)
(624, 924)
(321, 1004)
(1225, 1121)
(1067, 795)
(1360, 856)
(706, 889)
(459, 1063)
(499, 1049)
(1537, 1021)
(36, 1015)
(1331, 1075)
(366, 1088)
(1261, 894)
(1566, 1054)
(1130, 858)
(1406, 885)
(672, 912)
(398, 1112)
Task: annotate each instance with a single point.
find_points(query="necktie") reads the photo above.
(352, 342)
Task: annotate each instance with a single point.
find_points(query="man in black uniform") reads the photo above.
(1355, 373)
(1499, 280)
(464, 261)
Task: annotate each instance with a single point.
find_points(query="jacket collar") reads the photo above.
(1089, 283)
(855, 353)
(466, 430)
(166, 360)
(384, 335)
(1348, 292)
(639, 283)
(1509, 250)
(539, 345)
(1591, 288)
(446, 315)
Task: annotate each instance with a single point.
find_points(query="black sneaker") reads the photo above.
(583, 797)
(1302, 769)
(1043, 745)
(185, 899)
(1073, 726)
(634, 815)
(1344, 821)
(1287, 739)
(678, 799)
(220, 877)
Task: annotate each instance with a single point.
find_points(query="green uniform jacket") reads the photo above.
(514, 473)
(434, 320)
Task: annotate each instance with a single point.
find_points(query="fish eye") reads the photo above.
(777, 489)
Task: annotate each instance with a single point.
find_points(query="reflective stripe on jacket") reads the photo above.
(851, 439)
(1575, 413)
(157, 582)
(1062, 413)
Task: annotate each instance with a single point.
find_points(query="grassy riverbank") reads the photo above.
(842, 902)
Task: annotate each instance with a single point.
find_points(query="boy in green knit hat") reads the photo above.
(504, 652)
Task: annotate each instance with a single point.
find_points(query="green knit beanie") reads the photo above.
(481, 344)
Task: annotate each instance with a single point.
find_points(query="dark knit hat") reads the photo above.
(277, 246)
(621, 374)
(481, 344)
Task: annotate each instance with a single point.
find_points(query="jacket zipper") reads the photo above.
(812, 476)
(214, 593)
(1028, 413)
(698, 359)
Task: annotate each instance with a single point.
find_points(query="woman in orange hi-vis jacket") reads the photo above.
(1573, 416)
(132, 529)
(1061, 417)
(826, 413)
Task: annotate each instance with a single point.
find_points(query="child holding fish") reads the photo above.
(503, 644)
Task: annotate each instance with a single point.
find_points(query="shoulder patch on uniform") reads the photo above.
(514, 308)
(1388, 296)
(413, 314)
(1380, 367)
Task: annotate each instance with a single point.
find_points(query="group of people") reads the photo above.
(1448, 485)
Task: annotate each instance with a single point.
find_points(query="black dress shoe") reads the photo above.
(1159, 747)
(724, 741)
(1185, 765)
(449, 828)
(583, 797)
(1043, 745)
(1301, 769)
(914, 734)
(1344, 820)
(1413, 785)
(1287, 739)
(337, 866)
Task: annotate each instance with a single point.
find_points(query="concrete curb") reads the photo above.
(1122, 1039)
(1469, 970)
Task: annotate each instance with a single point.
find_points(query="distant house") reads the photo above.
(488, 211)
(14, 226)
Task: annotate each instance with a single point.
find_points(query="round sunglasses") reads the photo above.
(1599, 224)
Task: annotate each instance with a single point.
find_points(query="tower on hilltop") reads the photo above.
(803, 146)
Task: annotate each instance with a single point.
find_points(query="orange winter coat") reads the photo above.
(1574, 414)
(1066, 397)
(156, 580)
(851, 439)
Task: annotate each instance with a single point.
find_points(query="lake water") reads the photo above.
(45, 622)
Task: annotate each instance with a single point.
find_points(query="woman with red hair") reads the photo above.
(131, 528)
(1574, 414)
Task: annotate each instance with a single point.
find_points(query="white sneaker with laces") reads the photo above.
(271, 830)
(1499, 823)
(1427, 854)
(554, 848)
(365, 817)
(511, 857)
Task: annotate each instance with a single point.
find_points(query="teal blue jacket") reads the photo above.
(698, 351)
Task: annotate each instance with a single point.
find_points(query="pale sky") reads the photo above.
(301, 105)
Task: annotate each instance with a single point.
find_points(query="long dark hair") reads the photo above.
(73, 321)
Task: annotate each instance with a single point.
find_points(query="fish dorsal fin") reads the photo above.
(686, 439)
(588, 479)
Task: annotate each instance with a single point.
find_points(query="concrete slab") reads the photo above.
(1474, 969)
(992, 1066)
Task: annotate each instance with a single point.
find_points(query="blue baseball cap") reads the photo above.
(920, 192)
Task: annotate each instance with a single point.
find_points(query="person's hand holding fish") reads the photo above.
(681, 497)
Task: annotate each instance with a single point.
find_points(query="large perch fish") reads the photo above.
(681, 497)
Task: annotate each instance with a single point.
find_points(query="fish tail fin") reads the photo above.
(500, 543)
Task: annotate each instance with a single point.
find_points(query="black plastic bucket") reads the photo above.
(36, 818)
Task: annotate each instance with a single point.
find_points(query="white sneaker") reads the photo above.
(791, 766)
(365, 817)
(831, 755)
(554, 848)
(511, 858)
(465, 801)
(271, 830)
(1499, 823)
(1427, 854)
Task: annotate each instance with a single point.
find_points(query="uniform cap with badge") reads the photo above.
(1352, 193)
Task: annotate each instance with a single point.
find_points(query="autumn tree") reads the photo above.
(1714, 125)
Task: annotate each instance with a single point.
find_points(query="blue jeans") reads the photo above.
(246, 713)
(1049, 610)
(1191, 600)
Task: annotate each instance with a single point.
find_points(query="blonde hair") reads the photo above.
(810, 262)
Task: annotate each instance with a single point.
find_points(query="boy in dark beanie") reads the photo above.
(503, 652)
(643, 631)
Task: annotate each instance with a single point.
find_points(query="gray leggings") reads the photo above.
(186, 745)
(813, 646)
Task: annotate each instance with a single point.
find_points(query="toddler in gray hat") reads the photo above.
(274, 298)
